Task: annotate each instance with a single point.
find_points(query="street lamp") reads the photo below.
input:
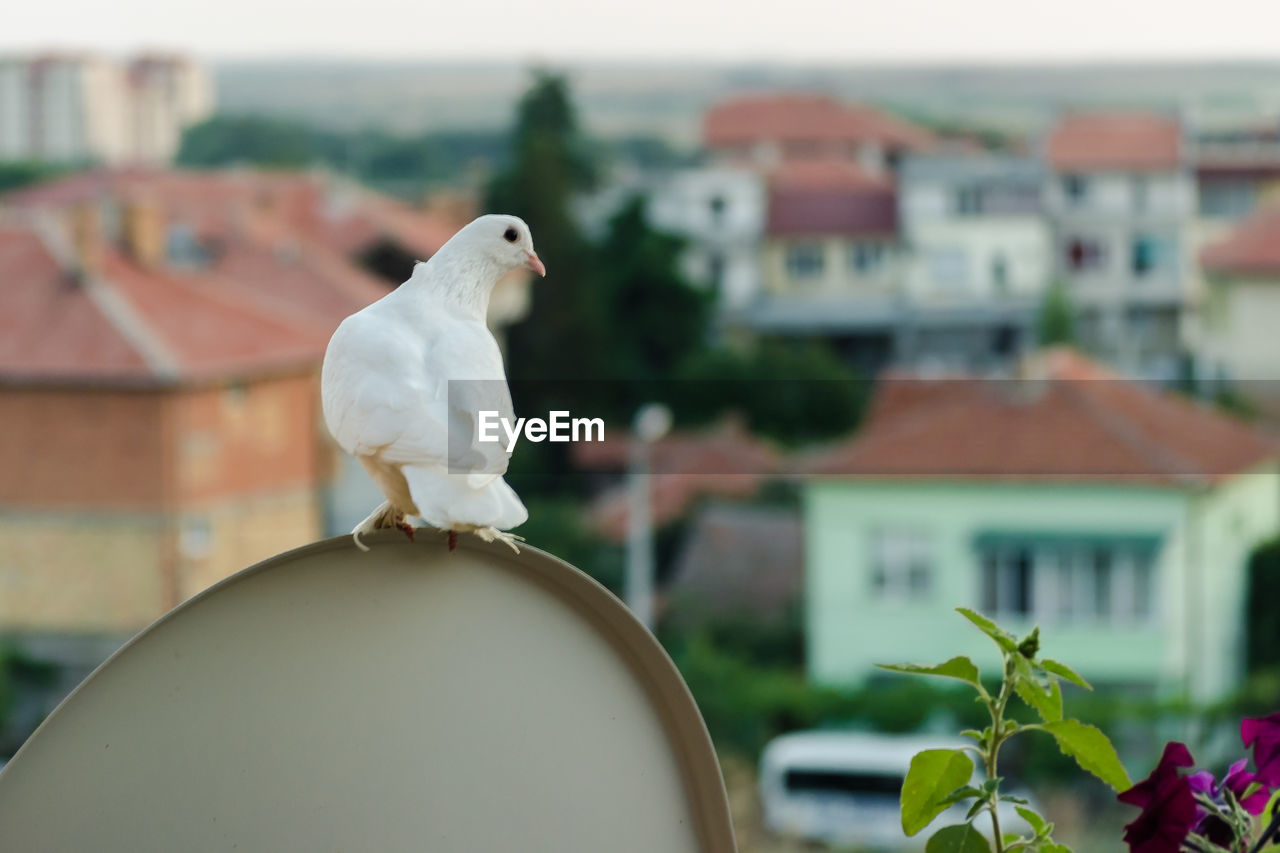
(652, 422)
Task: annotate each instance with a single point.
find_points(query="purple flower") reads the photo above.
(1169, 810)
(1237, 780)
(1263, 734)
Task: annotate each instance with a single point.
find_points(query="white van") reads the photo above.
(843, 788)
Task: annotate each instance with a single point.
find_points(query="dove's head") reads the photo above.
(505, 239)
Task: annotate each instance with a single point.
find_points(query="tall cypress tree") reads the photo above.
(564, 335)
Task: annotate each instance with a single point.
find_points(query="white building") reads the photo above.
(1121, 198)
(720, 211)
(78, 108)
(979, 257)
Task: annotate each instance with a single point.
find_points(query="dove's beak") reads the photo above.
(536, 265)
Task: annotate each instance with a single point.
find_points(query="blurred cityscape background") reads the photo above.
(932, 336)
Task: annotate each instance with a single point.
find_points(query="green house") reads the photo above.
(1117, 518)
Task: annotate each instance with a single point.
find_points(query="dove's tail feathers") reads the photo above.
(450, 502)
(384, 515)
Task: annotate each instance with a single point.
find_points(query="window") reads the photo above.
(182, 249)
(1151, 254)
(1084, 255)
(1075, 188)
(715, 271)
(717, 205)
(865, 258)
(901, 564)
(1000, 274)
(968, 201)
(1067, 583)
(804, 261)
(1228, 199)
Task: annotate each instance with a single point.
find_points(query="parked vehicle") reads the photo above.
(843, 788)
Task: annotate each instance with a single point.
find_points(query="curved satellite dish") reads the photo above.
(408, 699)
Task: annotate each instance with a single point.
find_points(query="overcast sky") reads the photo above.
(777, 30)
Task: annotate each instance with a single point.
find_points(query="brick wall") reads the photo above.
(244, 439)
(81, 448)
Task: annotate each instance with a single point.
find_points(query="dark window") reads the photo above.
(968, 201)
(1075, 188)
(715, 271)
(1000, 273)
(865, 257)
(1084, 254)
(805, 261)
(717, 205)
(836, 782)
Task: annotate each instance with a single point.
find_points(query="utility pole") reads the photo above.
(652, 421)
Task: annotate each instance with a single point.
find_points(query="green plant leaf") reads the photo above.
(1003, 638)
(1037, 823)
(1047, 702)
(959, 667)
(974, 809)
(1053, 847)
(961, 838)
(1063, 671)
(1010, 798)
(960, 794)
(1092, 751)
(933, 776)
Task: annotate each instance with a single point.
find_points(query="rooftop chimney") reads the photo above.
(86, 238)
(144, 232)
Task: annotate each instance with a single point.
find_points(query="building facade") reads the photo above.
(1118, 519)
(979, 254)
(160, 338)
(1120, 194)
(78, 108)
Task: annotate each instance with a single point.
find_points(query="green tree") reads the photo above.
(231, 140)
(1262, 617)
(1056, 323)
(564, 337)
(793, 392)
(658, 319)
(14, 174)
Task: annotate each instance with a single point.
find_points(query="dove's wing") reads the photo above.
(386, 394)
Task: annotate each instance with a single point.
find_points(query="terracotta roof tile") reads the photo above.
(1253, 248)
(724, 461)
(48, 324)
(279, 276)
(806, 118)
(1078, 423)
(1115, 141)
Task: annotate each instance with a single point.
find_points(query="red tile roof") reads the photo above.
(725, 461)
(1253, 248)
(1079, 423)
(130, 325)
(280, 276)
(1099, 142)
(815, 119)
(830, 198)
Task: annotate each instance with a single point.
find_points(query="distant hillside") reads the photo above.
(666, 100)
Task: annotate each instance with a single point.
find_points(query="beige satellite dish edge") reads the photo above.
(410, 698)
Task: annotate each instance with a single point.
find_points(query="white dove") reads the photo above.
(405, 378)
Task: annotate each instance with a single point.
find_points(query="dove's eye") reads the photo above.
(510, 235)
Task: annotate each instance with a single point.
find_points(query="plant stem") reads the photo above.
(993, 749)
(1269, 832)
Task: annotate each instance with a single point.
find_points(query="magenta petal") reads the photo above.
(1202, 782)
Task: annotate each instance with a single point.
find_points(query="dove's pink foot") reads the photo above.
(453, 539)
(407, 528)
